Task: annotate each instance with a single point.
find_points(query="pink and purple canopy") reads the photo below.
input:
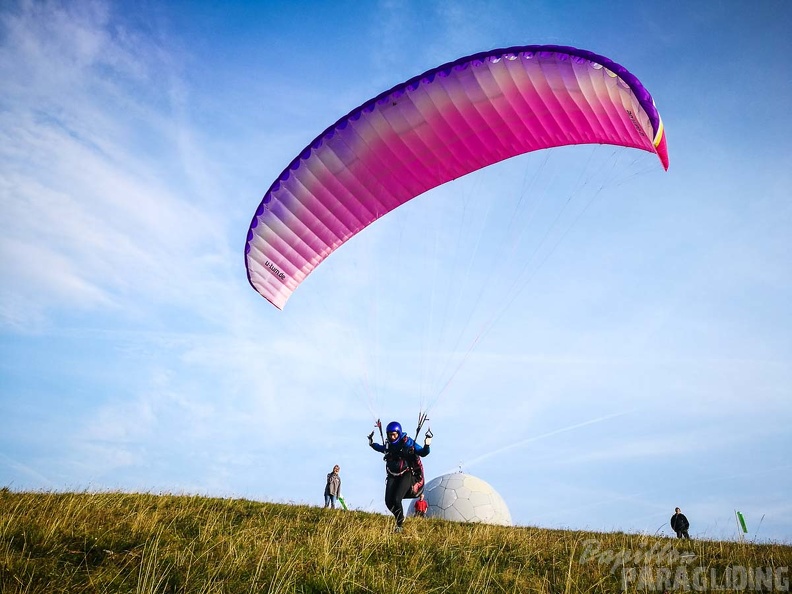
(434, 128)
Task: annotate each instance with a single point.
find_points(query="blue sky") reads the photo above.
(598, 339)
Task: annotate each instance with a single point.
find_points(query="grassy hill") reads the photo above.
(144, 543)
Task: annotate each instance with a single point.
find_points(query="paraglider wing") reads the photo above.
(434, 128)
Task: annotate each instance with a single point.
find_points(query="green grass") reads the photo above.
(145, 543)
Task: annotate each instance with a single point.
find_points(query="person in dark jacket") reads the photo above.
(403, 468)
(680, 524)
(332, 487)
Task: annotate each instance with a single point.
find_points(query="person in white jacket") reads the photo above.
(333, 487)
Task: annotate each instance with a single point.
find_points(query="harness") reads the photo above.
(410, 462)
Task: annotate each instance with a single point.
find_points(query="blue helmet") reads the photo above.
(393, 426)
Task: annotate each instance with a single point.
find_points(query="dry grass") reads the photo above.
(144, 543)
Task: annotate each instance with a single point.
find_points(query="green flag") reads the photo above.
(741, 520)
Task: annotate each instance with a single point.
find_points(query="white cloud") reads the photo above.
(26, 470)
(90, 219)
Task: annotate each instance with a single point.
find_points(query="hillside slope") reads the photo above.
(145, 543)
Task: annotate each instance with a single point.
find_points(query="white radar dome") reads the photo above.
(461, 497)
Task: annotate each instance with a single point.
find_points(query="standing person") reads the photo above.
(333, 487)
(403, 468)
(680, 524)
(421, 506)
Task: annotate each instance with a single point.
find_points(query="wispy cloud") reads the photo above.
(664, 445)
(33, 474)
(90, 219)
(535, 438)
